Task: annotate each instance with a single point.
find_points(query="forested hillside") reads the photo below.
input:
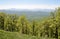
(48, 27)
(30, 14)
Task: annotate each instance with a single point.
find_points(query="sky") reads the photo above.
(29, 4)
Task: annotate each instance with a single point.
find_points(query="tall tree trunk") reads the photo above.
(33, 29)
(26, 29)
(22, 27)
(56, 35)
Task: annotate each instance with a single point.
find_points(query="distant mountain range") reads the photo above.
(31, 14)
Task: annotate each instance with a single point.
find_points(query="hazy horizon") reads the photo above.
(29, 4)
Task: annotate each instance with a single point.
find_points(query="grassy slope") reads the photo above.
(15, 35)
(8, 35)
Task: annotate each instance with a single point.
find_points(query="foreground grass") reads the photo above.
(15, 35)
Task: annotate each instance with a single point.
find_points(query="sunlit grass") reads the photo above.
(16, 35)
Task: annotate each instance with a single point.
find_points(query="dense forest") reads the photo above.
(47, 27)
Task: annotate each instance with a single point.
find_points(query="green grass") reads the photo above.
(8, 35)
(15, 35)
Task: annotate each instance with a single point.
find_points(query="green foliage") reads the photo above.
(47, 27)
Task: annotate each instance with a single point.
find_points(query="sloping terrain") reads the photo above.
(15, 35)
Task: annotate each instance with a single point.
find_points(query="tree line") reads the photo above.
(47, 27)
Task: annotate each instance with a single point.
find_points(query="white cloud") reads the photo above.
(29, 6)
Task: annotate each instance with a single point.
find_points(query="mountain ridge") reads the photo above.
(37, 13)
